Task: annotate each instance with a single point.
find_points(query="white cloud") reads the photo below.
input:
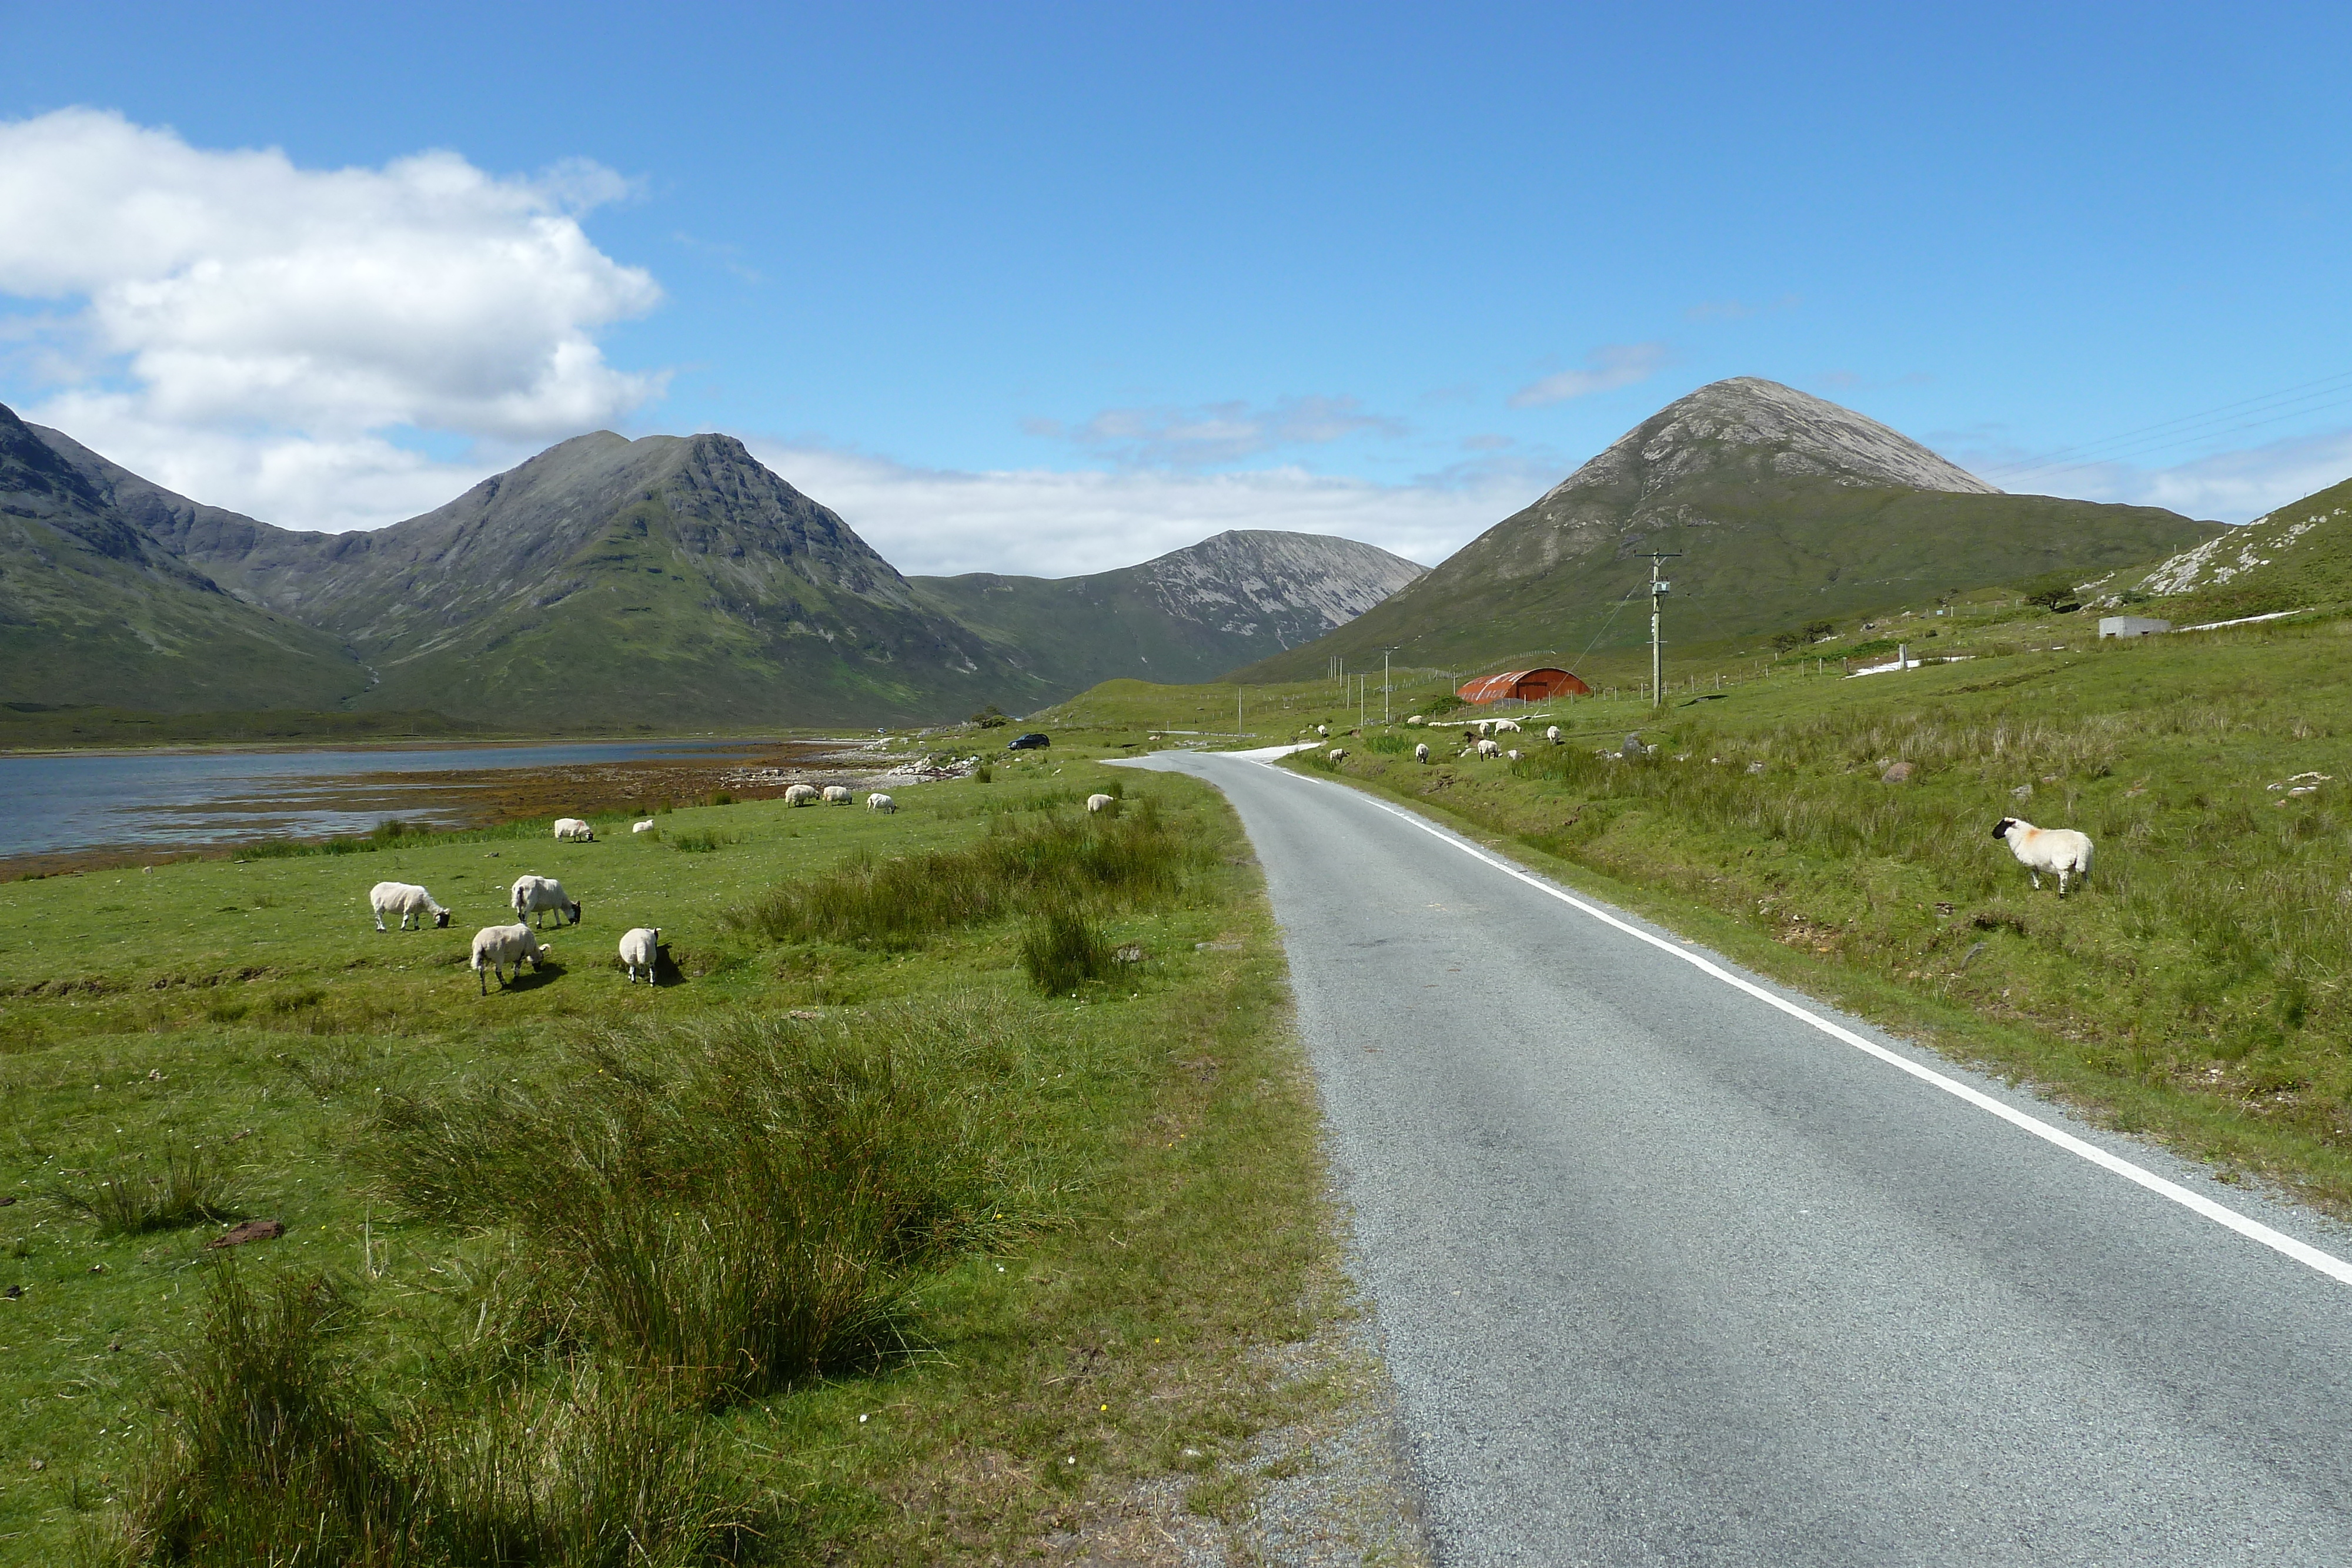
(231, 314)
(1607, 366)
(2228, 486)
(1044, 523)
(1211, 435)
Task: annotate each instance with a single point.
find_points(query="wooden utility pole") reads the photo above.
(1659, 588)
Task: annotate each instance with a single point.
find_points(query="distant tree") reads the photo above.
(1817, 630)
(2052, 593)
(1790, 642)
(990, 718)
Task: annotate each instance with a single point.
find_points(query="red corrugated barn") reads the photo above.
(1527, 686)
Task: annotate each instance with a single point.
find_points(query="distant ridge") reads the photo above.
(660, 583)
(1783, 508)
(1186, 616)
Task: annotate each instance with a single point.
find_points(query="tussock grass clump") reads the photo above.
(739, 1204)
(697, 841)
(275, 1454)
(1063, 949)
(1133, 858)
(190, 1186)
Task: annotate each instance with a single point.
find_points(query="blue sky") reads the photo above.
(1051, 288)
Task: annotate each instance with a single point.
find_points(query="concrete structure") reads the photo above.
(2131, 626)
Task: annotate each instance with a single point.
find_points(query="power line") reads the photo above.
(2287, 402)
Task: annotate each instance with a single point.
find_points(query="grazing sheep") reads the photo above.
(801, 794)
(1412, 718)
(877, 801)
(572, 830)
(645, 827)
(2060, 850)
(1101, 803)
(1488, 748)
(405, 900)
(1485, 726)
(1324, 730)
(1552, 735)
(1421, 752)
(1513, 753)
(1338, 752)
(535, 895)
(638, 949)
(837, 795)
(496, 946)
(1502, 725)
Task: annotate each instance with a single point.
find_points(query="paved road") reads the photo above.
(1669, 1276)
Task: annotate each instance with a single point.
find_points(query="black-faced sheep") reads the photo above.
(407, 901)
(1421, 752)
(2060, 850)
(534, 896)
(496, 946)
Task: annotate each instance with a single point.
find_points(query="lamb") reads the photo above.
(638, 949)
(496, 946)
(1421, 752)
(572, 830)
(405, 900)
(1101, 803)
(537, 895)
(1552, 735)
(645, 827)
(837, 795)
(877, 801)
(800, 795)
(2060, 850)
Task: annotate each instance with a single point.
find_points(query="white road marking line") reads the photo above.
(2303, 1252)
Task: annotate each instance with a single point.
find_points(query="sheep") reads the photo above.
(1412, 718)
(1513, 753)
(1485, 726)
(877, 801)
(496, 946)
(2061, 850)
(1488, 748)
(538, 894)
(800, 795)
(837, 795)
(645, 827)
(572, 830)
(1421, 752)
(405, 900)
(1511, 725)
(638, 949)
(1338, 752)
(1101, 803)
(1552, 735)
(1324, 730)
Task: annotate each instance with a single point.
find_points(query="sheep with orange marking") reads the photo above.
(2062, 851)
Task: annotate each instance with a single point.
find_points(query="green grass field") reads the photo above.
(1108, 1200)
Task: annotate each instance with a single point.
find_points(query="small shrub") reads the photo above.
(192, 1187)
(1063, 949)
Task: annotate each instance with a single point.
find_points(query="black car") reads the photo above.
(1030, 742)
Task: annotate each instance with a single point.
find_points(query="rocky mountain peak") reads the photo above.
(1250, 575)
(1757, 428)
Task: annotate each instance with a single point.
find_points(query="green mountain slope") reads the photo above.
(1190, 615)
(1782, 507)
(2298, 557)
(95, 609)
(669, 581)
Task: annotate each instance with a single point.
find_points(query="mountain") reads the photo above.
(1187, 616)
(95, 608)
(660, 583)
(1783, 508)
(2296, 557)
